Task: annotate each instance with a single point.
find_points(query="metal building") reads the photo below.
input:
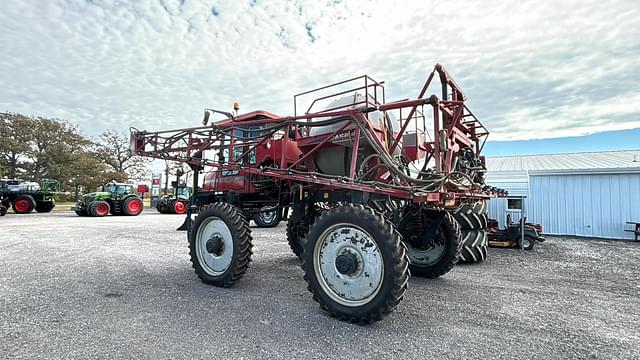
(581, 194)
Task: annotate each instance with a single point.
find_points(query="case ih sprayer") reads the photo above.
(374, 187)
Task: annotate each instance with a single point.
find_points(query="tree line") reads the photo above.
(36, 148)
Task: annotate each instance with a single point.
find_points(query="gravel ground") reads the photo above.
(123, 287)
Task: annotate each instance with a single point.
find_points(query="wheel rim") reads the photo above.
(179, 207)
(214, 246)
(267, 216)
(421, 250)
(134, 206)
(527, 243)
(22, 205)
(348, 265)
(426, 257)
(102, 209)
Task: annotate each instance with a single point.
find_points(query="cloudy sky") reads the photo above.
(532, 69)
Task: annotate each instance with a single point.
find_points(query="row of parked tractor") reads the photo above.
(113, 198)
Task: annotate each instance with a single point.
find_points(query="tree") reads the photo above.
(171, 168)
(113, 149)
(55, 146)
(87, 172)
(15, 132)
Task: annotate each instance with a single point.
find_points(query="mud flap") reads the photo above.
(186, 225)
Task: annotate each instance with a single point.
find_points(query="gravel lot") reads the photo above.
(123, 287)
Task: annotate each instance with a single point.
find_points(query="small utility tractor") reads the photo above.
(374, 187)
(115, 198)
(511, 235)
(26, 196)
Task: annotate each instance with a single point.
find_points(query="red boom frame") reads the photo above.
(443, 179)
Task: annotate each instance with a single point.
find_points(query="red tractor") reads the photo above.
(375, 188)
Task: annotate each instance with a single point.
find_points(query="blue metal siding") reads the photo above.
(585, 205)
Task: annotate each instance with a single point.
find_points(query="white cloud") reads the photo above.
(532, 69)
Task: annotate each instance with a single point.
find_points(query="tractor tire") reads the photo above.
(82, 213)
(435, 257)
(99, 208)
(473, 222)
(267, 217)
(529, 242)
(23, 204)
(132, 206)
(220, 245)
(355, 264)
(472, 216)
(180, 207)
(297, 229)
(3, 210)
(45, 206)
(475, 246)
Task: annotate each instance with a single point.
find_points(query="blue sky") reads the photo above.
(532, 69)
(603, 141)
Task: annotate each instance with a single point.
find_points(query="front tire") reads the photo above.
(355, 264)
(180, 207)
(99, 208)
(528, 242)
(220, 245)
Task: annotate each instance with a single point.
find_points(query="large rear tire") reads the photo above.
(474, 246)
(45, 206)
(220, 245)
(132, 206)
(433, 241)
(355, 264)
(473, 221)
(23, 204)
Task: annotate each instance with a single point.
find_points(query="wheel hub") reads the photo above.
(347, 263)
(215, 245)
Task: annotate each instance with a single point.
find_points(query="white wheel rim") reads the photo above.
(267, 216)
(363, 284)
(214, 264)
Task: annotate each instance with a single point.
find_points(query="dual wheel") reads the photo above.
(354, 259)
(131, 206)
(472, 218)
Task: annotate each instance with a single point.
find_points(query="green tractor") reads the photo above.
(26, 196)
(115, 198)
(176, 203)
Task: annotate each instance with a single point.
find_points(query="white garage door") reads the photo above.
(585, 205)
